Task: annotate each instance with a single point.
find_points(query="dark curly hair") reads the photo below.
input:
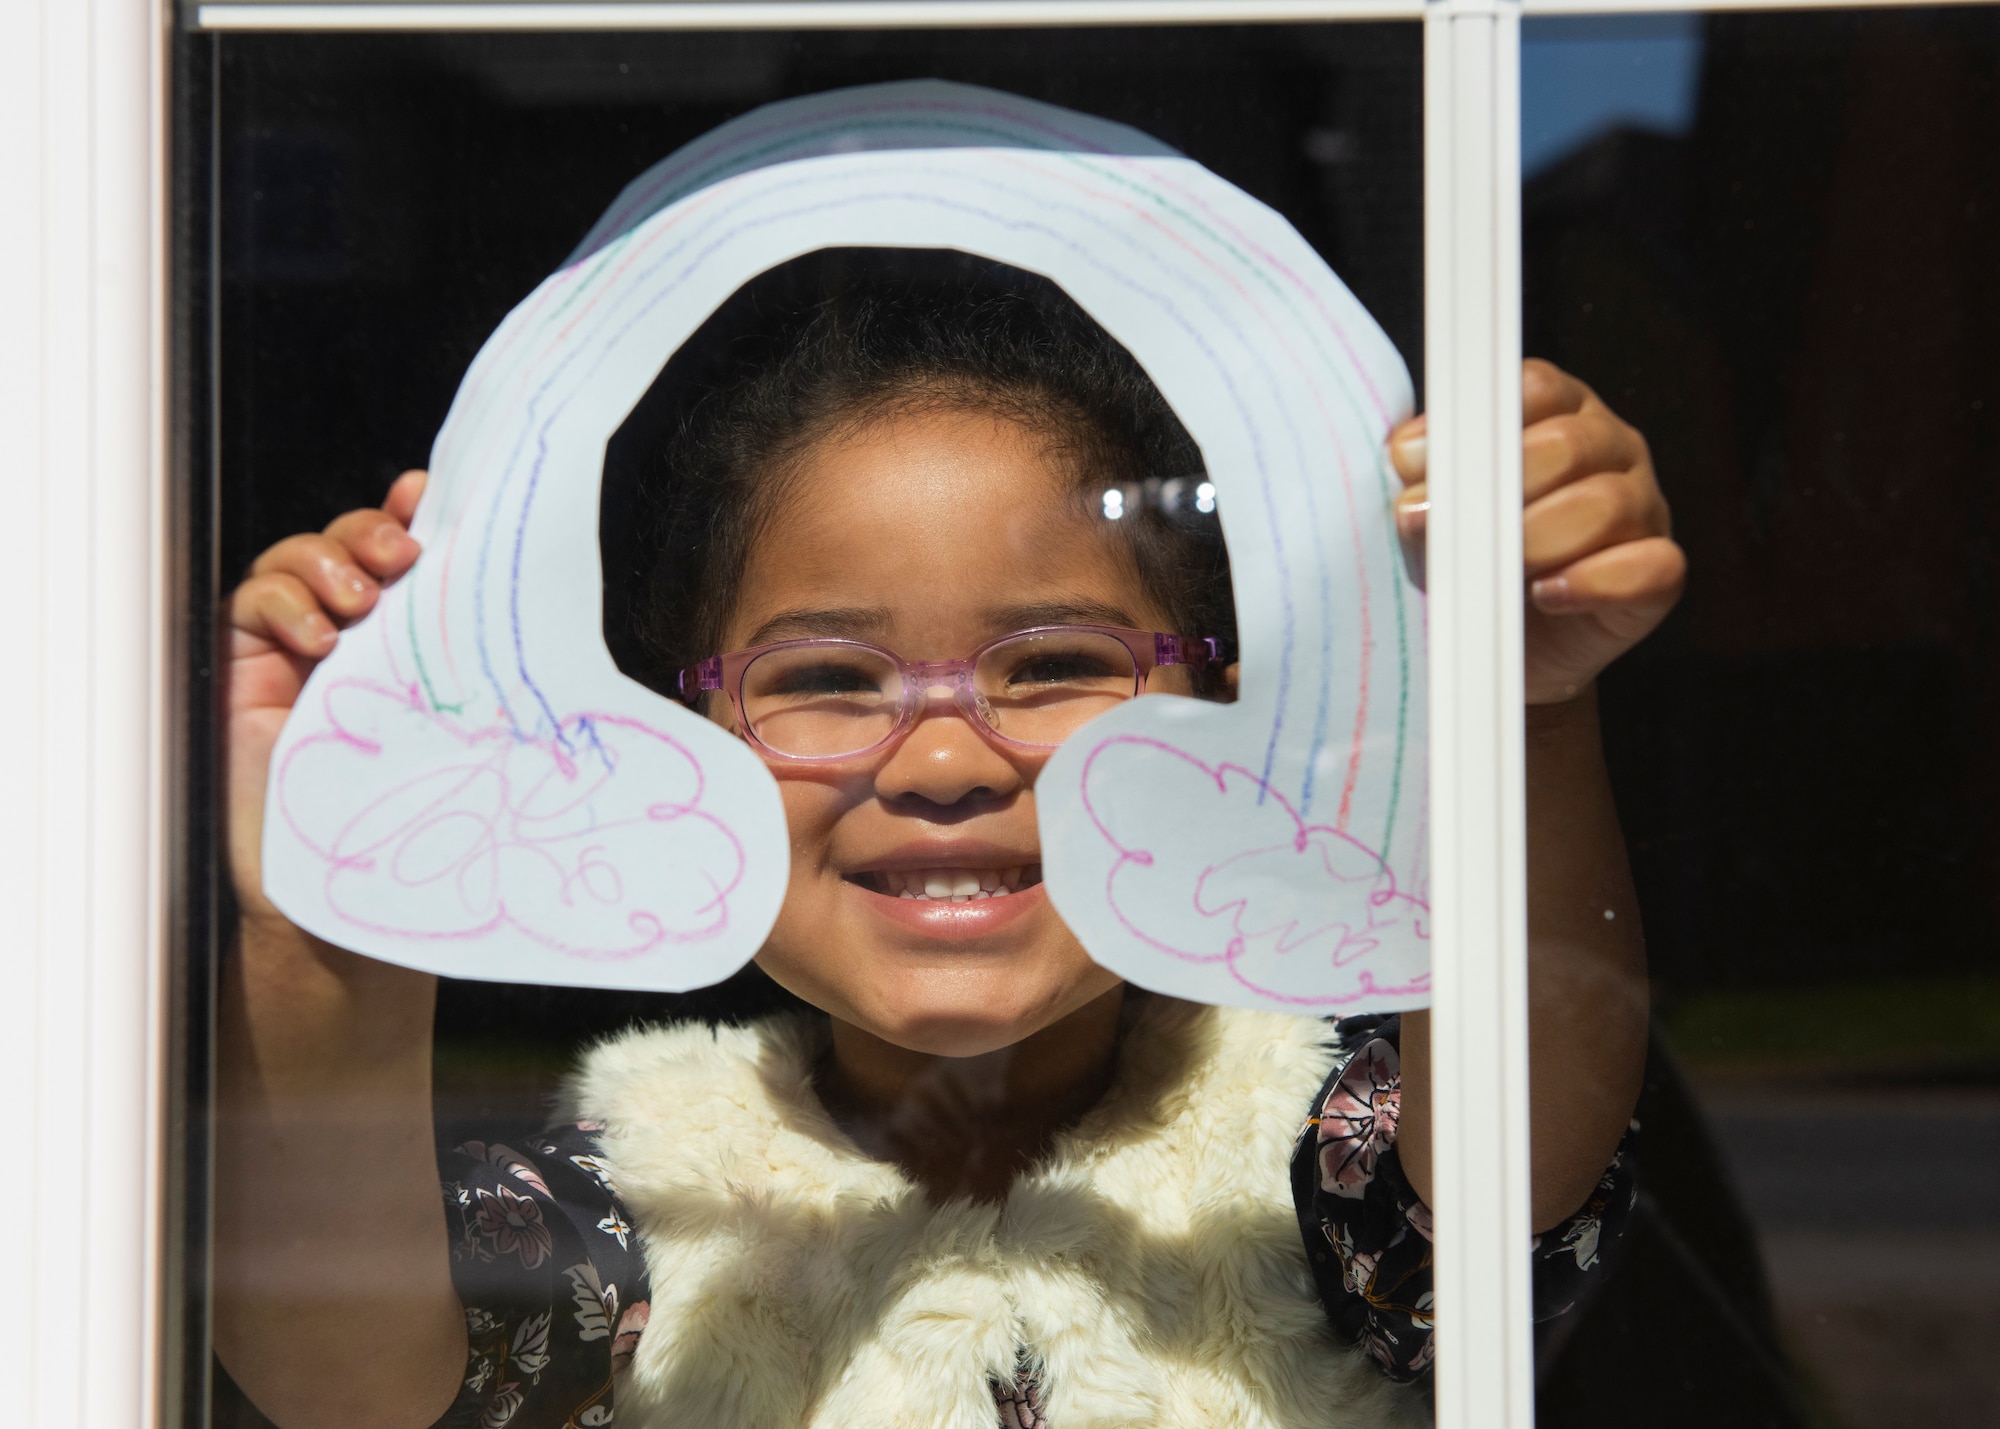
(830, 341)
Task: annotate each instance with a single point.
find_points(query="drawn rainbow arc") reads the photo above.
(469, 785)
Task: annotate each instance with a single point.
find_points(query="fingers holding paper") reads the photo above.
(285, 618)
(1599, 561)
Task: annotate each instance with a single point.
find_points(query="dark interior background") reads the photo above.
(1797, 303)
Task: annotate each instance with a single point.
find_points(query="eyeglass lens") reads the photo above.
(821, 701)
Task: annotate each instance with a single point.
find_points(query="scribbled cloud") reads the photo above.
(1213, 867)
(593, 842)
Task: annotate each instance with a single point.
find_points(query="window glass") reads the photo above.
(785, 537)
(1765, 240)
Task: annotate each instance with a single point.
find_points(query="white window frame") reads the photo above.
(87, 868)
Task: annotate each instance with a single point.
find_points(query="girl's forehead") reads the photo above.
(983, 483)
(951, 514)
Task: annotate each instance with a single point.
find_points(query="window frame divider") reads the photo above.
(1479, 1019)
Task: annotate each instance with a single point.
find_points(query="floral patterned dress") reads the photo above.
(554, 1279)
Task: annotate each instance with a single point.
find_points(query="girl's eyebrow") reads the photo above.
(870, 622)
(1060, 612)
(853, 623)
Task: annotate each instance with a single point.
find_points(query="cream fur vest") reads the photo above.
(1150, 1271)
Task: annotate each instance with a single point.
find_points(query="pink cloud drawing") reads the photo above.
(1216, 867)
(594, 843)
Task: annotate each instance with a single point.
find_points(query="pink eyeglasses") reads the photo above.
(835, 699)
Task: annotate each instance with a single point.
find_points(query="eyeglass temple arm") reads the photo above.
(1186, 650)
(697, 678)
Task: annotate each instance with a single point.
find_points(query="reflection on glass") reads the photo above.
(1584, 78)
(1787, 286)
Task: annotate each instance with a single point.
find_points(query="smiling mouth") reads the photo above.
(949, 885)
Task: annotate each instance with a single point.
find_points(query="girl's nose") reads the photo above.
(944, 760)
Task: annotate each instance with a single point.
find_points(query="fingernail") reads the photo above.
(1414, 448)
(398, 545)
(317, 628)
(1411, 524)
(1550, 594)
(351, 578)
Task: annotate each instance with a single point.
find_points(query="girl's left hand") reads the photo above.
(1601, 567)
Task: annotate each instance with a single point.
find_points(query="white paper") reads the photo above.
(469, 786)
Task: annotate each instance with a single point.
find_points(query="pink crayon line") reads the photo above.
(655, 934)
(1366, 988)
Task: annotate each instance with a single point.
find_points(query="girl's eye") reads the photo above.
(826, 679)
(1060, 669)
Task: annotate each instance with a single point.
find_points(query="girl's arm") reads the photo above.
(333, 1297)
(1602, 572)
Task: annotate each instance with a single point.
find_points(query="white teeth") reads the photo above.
(954, 885)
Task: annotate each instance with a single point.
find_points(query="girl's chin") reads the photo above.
(944, 921)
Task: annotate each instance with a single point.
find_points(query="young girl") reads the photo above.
(973, 1179)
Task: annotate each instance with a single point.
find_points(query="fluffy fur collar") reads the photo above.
(1150, 1272)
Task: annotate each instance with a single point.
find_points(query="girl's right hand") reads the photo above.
(285, 618)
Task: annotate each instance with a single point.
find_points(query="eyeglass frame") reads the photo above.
(1150, 650)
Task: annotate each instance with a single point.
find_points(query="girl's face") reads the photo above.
(929, 534)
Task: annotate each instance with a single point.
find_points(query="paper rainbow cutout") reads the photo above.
(469, 786)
